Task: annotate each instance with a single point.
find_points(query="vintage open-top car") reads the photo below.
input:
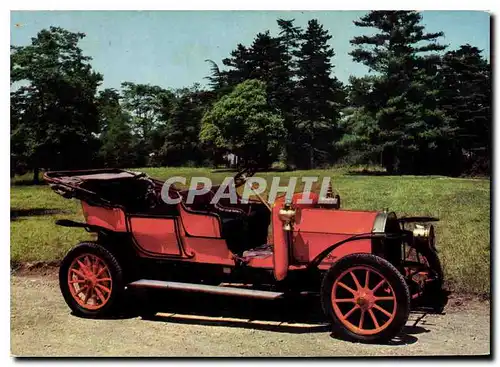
(369, 267)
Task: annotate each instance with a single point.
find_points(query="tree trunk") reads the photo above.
(311, 157)
(36, 171)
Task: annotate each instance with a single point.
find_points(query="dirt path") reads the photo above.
(41, 325)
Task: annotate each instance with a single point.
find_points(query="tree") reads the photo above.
(150, 108)
(217, 79)
(53, 108)
(412, 130)
(118, 144)
(465, 96)
(270, 59)
(244, 123)
(238, 63)
(181, 143)
(358, 126)
(320, 96)
(286, 95)
(144, 102)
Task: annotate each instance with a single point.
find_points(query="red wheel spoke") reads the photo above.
(347, 287)
(361, 319)
(77, 281)
(378, 285)
(367, 278)
(385, 312)
(101, 270)
(344, 300)
(350, 312)
(84, 288)
(388, 298)
(83, 266)
(358, 286)
(79, 273)
(94, 265)
(104, 279)
(100, 295)
(88, 263)
(107, 290)
(87, 295)
(374, 318)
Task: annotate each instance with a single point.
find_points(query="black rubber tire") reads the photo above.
(112, 306)
(393, 276)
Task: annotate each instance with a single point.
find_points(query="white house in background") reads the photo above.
(231, 159)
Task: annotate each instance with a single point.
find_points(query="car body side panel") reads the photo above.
(199, 224)
(205, 249)
(316, 229)
(348, 222)
(156, 235)
(109, 218)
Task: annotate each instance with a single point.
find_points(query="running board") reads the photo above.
(203, 288)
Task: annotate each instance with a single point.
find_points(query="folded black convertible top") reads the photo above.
(107, 187)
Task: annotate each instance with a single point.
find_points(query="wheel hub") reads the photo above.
(364, 299)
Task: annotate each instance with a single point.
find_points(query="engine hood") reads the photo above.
(348, 222)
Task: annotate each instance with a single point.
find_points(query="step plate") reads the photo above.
(203, 288)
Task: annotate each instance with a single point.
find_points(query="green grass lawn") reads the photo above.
(463, 206)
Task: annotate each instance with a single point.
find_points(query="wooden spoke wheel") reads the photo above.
(366, 307)
(366, 297)
(89, 281)
(90, 278)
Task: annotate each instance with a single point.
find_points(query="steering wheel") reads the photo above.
(241, 177)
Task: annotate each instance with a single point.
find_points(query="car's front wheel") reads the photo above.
(366, 298)
(91, 280)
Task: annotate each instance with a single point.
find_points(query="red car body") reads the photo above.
(312, 247)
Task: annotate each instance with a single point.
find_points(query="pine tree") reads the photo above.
(239, 66)
(320, 96)
(218, 80)
(412, 129)
(269, 59)
(358, 125)
(466, 98)
(289, 42)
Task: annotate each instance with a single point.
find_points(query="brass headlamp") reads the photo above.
(287, 216)
(424, 233)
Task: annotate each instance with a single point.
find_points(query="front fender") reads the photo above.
(364, 236)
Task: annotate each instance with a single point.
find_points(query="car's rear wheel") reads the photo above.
(366, 298)
(91, 280)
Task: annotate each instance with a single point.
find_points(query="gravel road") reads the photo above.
(202, 325)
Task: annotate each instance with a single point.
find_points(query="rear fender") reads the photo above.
(86, 226)
(105, 236)
(118, 243)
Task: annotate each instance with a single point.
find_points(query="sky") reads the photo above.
(168, 48)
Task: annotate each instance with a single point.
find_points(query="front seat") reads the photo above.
(234, 227)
